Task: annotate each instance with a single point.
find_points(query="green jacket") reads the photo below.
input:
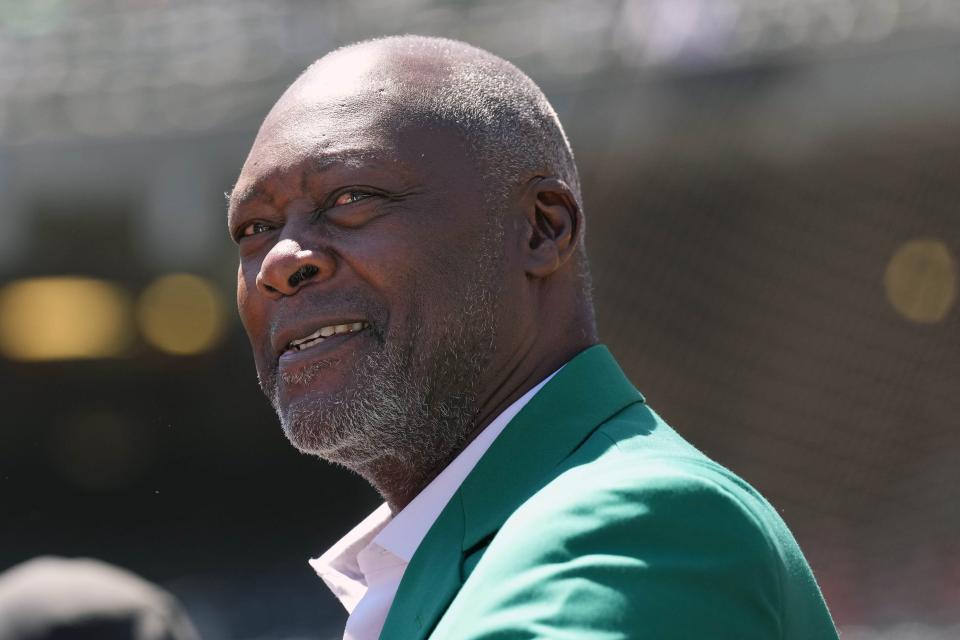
(590, 518)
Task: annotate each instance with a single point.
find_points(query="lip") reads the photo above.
(281, 339)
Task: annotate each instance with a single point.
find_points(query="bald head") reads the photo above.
(509, 126)
(389, 85)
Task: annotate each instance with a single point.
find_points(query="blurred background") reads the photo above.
(772, 189)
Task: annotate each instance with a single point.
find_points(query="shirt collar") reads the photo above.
(339, 566)
(402, 533)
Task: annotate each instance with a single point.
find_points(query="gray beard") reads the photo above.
(415, 401)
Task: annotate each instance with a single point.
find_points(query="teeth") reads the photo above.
(307, 344)
(322, 333)
(315, 334)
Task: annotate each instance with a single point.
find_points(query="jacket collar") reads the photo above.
(585, 393)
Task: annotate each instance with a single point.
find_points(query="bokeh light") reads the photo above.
(181, 314)
(63, 318)
(921, 280)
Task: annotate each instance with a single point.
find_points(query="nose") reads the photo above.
(288, 267)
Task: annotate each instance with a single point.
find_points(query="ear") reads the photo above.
(552, 221)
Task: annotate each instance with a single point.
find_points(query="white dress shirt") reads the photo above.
(365, 567)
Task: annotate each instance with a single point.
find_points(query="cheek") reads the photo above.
(387, 259)
(418, 261)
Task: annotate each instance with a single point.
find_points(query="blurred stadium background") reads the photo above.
(772, 189)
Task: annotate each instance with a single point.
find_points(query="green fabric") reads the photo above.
(590, 518)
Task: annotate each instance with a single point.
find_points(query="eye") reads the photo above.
(349, 197)
(253, 229)
(340, 212)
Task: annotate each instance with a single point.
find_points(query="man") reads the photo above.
(414, 284)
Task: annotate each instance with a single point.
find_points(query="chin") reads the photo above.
(332, 428)
(302, 425)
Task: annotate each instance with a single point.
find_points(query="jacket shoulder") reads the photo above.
(637, 527)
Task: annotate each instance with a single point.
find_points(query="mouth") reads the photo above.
(321, 335)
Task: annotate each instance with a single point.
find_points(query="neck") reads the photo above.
(396, 481)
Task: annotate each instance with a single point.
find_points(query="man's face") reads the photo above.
(368, 280)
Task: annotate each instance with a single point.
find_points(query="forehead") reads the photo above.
(348, 137)
(311, 140)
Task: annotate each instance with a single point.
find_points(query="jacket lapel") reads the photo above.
(585, 393)
(431, 580)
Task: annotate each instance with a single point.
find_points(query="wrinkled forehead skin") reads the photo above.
(358, 100)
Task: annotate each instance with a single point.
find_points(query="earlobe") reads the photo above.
(553, 221)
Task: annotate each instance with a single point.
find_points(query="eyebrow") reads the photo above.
(237, 198)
